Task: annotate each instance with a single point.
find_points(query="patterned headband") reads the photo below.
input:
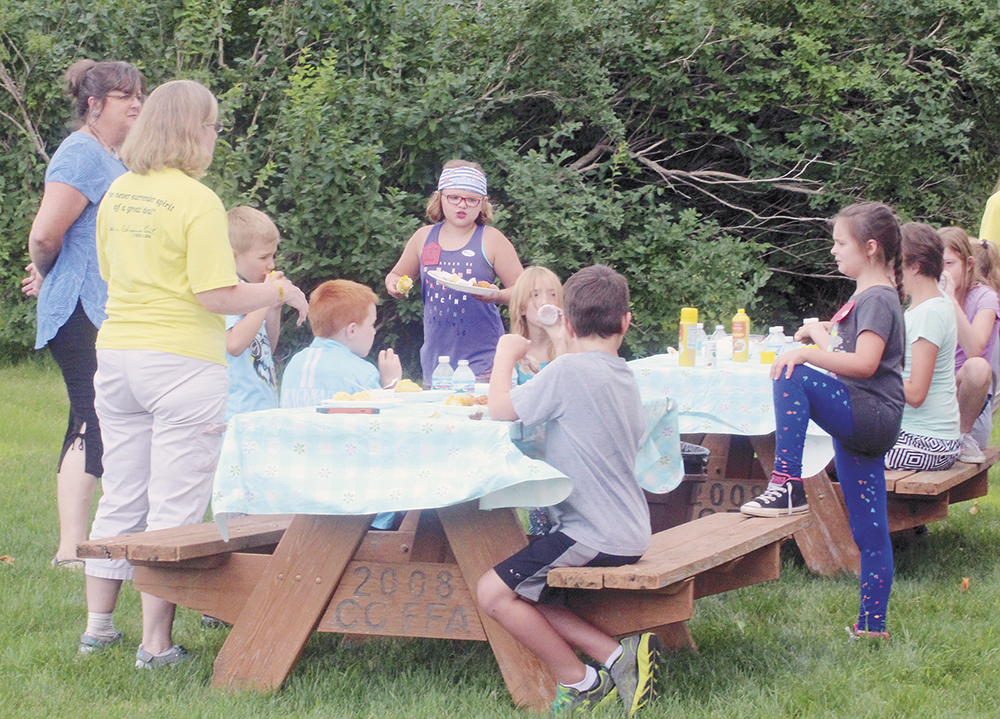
(462, 178)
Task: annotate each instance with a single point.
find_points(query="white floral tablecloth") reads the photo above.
(288, 461)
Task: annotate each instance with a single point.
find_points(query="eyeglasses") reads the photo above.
(219, 127)
(128, 97)
(458, 199)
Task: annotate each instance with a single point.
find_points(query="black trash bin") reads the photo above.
(695, 458)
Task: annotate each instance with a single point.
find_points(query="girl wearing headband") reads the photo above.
(458, 324)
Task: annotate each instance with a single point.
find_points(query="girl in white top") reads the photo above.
(930, 437)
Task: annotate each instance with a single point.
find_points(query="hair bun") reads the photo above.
(76, 74)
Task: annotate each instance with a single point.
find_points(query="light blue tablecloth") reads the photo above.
(288, 461)
(734, 398)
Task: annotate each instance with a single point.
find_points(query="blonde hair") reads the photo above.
(956, 240)
(250, 228)
(532, 278)
(170, 128)
(337, 303)
(987, 263)
(436, 214)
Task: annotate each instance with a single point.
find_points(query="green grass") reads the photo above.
(774, 650)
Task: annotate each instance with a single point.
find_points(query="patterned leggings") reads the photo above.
(813, 394)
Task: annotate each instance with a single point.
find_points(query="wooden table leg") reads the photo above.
(826, 544)
(481, 540)
(288, 601)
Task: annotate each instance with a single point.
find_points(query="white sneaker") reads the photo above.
(970, 451)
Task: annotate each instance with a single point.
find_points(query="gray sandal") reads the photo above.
(90, 643)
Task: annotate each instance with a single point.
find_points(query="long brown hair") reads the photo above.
(875, 221)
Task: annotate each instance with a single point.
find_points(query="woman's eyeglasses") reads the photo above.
(128, 96)
(458, 199)
(219, 127)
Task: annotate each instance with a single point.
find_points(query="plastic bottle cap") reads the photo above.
(776, 329)
(463, 362)
(689, 314)
(444, 358)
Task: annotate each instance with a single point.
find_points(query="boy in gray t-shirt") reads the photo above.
(590, 403)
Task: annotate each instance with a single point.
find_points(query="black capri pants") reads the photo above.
(74, 350)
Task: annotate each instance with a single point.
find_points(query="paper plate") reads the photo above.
(440, 276)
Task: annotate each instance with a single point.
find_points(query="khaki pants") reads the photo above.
(162, 419)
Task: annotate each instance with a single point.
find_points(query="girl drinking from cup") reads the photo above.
(930, 439)
(459, 324)
(977, 313)
(537, 287)
(858, 399)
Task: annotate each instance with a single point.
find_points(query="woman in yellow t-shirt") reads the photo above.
(161, 380)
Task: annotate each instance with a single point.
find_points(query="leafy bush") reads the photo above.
(697, 145)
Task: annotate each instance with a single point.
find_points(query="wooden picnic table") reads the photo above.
(729, 410)
(281, 577)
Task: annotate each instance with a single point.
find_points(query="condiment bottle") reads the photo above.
(688, 336)
(741, 336)
(441, 379)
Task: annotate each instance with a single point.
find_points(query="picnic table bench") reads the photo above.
(280, 577)
(739, 466)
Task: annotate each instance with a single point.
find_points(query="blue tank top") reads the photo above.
(457, 324)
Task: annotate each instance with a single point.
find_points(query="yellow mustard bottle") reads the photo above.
(688, 336)
(741, 336)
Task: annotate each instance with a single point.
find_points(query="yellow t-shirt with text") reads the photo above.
(161, 238)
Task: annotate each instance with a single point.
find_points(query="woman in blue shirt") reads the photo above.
(63, 273)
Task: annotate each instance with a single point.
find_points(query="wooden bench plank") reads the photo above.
(932, 483)
(894, 475)
(193, 541)
(685, 551)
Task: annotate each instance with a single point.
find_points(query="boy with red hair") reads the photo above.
(342, 317)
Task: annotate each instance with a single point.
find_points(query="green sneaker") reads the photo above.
(570, 700)
(634, 672)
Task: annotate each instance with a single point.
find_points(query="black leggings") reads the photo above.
(73, 350)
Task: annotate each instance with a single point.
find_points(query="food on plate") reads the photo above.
(408, 385)
(466, 399)
(361, 396)
(404, 284)
(484, 284)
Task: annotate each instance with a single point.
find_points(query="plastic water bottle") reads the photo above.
(700, 338)
(441, 379)
(723, 344)
(464, 379)
(775, 340)
(548, 315)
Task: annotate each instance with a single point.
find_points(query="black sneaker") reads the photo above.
(787, 498)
